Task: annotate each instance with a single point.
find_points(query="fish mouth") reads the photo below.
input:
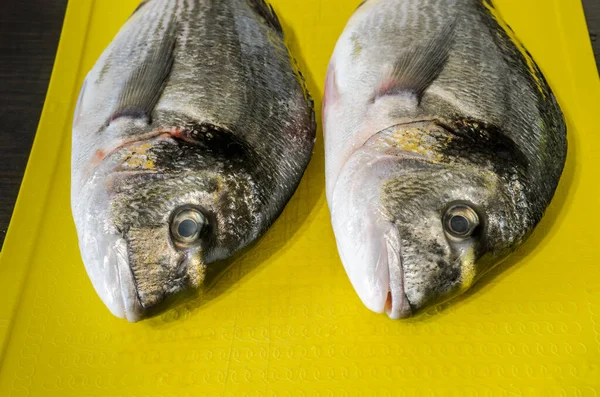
(130, 303)
(397, 305)
(112, 278)
(380, 282)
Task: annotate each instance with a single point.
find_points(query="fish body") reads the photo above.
(444, 145)
(191, 133)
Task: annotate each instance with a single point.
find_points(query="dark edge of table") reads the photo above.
(29, 34)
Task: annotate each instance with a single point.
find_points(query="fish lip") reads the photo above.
(133, 310)
(397, 306)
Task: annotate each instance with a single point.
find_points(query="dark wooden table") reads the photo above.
(592, 12)
(29, 32)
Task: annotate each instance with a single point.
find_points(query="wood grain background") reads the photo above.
(29, 33)
(592, 13)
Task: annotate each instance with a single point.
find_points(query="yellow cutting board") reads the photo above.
(284, 320)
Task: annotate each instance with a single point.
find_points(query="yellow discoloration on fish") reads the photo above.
(416, 141)
(273, 37)
(530, 63)
(220, 184)
(197, 270)
(491, 183)
(469, 272)
(137, 158)
(357, 47)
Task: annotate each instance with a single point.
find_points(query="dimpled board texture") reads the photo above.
(283, 320)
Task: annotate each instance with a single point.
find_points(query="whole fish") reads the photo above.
(191, 133)
(444, 146)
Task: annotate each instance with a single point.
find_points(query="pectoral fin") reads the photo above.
(418, 67)
(143, 88)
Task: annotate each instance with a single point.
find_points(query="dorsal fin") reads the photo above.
(418, 67)
(144, 87)
(267, 13)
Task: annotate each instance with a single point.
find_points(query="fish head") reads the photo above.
(422, 211)
(152, 224)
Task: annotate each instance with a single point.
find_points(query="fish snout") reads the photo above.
(107, 264)
(373, 262)
(134, 289)
(368, 241)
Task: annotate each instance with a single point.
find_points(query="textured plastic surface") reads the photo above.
(284, 320)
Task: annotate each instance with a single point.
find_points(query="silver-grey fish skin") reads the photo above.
(472, 126)
(229, 138)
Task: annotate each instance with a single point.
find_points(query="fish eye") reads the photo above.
(187, 228)
(460, 221)
(188, 225)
